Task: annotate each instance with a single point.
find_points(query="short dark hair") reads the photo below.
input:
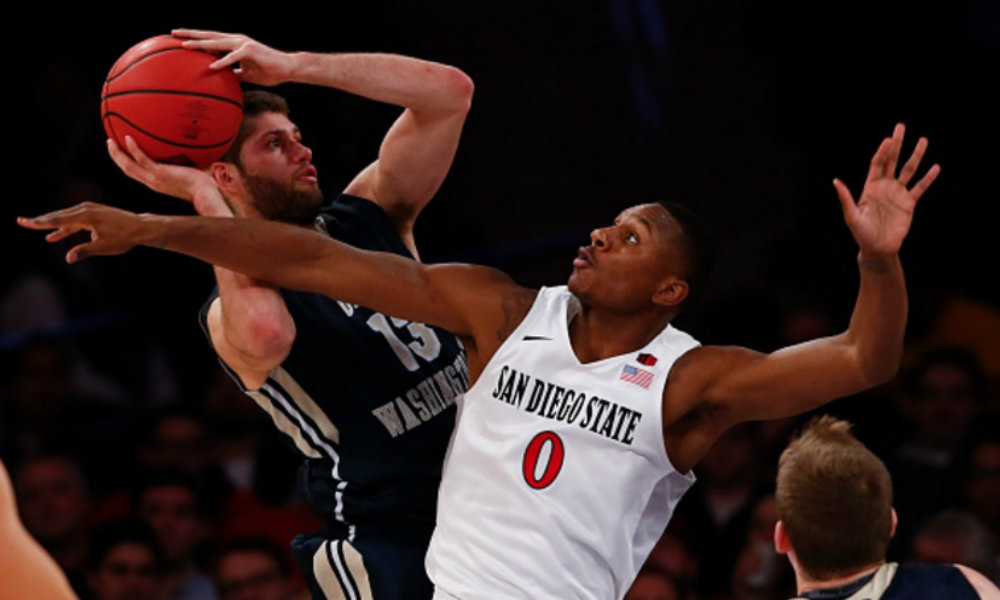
(834, 499)
(123, 531)
(167, 477)
(698, 248)
(256, 544)
(255, 103)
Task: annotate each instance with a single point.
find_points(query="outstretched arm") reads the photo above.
(479, 304)
(739, 384)
(418, 149)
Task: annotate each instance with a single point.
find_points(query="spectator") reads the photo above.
(957, 537)
(253, 569)
(717, 513)
(169, 501)
(981, 484)
(55, 506)
(125, 562)
(942, 398)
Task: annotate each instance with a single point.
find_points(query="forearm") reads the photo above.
(254, 318)
(878, 323)
(789, 381)
(419, 85)
(299, 259)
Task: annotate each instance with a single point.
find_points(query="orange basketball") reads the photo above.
(177, 109)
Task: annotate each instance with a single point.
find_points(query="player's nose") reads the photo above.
(303, 153)
(599, 237)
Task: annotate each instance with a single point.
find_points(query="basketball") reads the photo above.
(177, 109)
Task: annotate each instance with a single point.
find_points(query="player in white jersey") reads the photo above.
(587, 410)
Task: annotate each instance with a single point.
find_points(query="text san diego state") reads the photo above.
(555, 402)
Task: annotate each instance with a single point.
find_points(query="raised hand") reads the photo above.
(112, 230)
(172, 180)
(259, 64)
(880, 220)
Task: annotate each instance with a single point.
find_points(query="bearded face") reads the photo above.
(289, 202)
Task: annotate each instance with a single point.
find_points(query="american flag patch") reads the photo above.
(640, 377)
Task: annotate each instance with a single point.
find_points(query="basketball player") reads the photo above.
(26, 571)
(366, 397)
(588, 409)
(836, 518)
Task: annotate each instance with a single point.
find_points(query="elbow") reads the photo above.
(459, 89)
(268, 339)
(882, 369)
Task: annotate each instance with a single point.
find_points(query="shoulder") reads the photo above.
(986, 589)
(698, 368)
(362, 223)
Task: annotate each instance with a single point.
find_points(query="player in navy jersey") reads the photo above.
(546, 413)
(367, 398)
(836, 517)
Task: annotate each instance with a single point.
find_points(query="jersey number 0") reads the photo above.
(531, 457)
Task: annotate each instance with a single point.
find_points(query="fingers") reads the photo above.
(914, 161)
(122, 159)
(53, 220)
(198, 34)
(74, 216)
(897, 144)
(138, 155)
(225, 44)
(232, 57)
(880, 161)
(846, 200)
(79, 252)
(62, 233)
(918, 190)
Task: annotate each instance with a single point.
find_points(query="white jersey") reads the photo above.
(556, 483)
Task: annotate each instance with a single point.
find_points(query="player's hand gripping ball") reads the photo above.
(176, 108)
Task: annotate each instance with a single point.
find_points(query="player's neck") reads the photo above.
(804, 583)
(596, 335)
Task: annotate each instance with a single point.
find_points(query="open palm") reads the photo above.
(880, 220)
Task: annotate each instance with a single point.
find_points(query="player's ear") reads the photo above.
(671, 292)
(225, 175)
(781, 543)
(895, 520)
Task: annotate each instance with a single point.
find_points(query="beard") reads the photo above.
(285, 202)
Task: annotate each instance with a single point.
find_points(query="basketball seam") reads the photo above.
(139, 60)
(176, 93)
(165, 140)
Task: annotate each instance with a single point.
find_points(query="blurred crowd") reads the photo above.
(142, 491)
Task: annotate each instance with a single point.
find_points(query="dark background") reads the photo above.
(743, 111)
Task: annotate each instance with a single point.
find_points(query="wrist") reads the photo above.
(295, 66)
(150, 230)
(209, 202)
(880, 262)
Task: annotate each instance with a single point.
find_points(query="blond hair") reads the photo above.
(834, 500)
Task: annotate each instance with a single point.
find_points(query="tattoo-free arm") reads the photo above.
(740, 384)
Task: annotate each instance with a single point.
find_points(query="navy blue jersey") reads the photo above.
(367, 398)
(903, 582)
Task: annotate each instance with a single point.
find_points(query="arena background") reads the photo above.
(743, 111)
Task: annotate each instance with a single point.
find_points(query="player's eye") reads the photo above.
(274, 143)
(632, 238)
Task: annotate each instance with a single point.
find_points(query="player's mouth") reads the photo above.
(308, 175)
(584, 258)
